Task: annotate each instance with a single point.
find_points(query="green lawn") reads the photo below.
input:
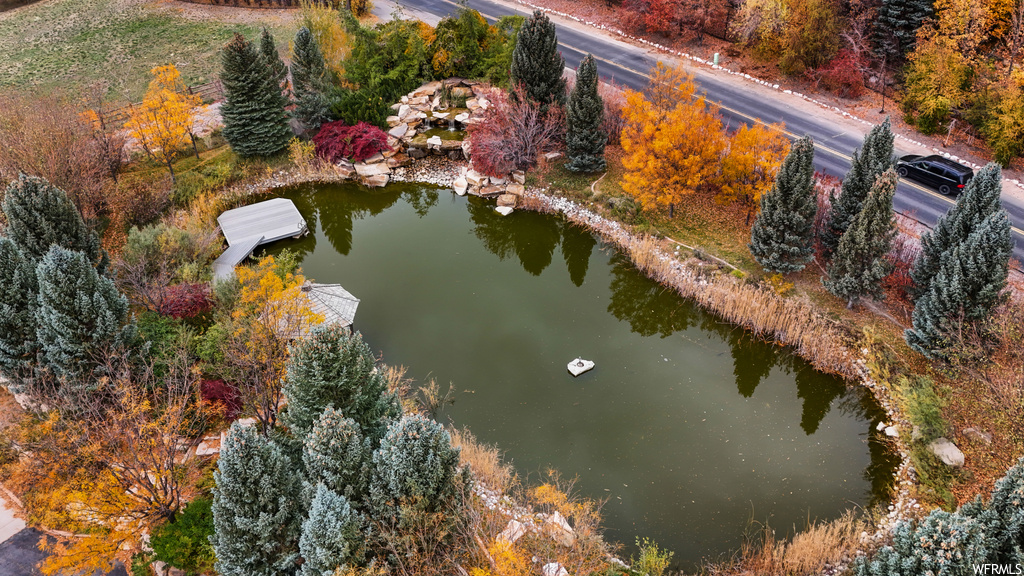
(72, 44)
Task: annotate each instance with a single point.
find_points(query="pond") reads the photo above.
(688, 426)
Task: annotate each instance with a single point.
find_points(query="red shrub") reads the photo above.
(223, 395)
(614, 101)
(843, 75)
(186, 300)
(336, 141)
(512, 133)
(898, 284)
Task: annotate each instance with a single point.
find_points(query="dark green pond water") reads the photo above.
(688, 427)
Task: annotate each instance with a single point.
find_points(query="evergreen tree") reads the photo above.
(782, 236)
(875, 157)
(256, 515)
(18, 289)
(40, 215)
(255, 121)
(896, 26)
(415, 465)
(953, 543)
(585, 139)
(336, 456)
(860, 264)
(272, 59)
(80, 316)
(333, 368)
(969, 283)
(332, 535)
(536, 62)
(310, 80)
(979, 200)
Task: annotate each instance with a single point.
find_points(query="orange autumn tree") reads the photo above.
(271, 311)
(163, 122)
(673, 141)
(750, 165)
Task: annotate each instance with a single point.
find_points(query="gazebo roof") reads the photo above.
(337, 305)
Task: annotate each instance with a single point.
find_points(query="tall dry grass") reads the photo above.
(824, 343)
(822, 546)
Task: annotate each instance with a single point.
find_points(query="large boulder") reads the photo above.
(507, 200)
(517, 189)
(377, 180)
(367, 170)
(399, 131)
(475, 178)
(947, 452)
(460, 185)
(393, 120)
(399, 160)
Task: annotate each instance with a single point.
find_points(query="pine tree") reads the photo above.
(860, 264)
(332, 535)
(875, 157)
(782, 235)
(979, 200)
(255, 121)
(80, 316)
(310, 80)
(272, 59)
(896, 26)
(333, 368)
(585, 139)
(969, 283)
(40, 215)
(335, 455)
(18, 293)
(256, 515)
(415, 465)
(536, 62)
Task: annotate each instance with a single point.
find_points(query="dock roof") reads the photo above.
(273, 219)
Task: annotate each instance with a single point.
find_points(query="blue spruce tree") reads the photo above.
(81, 318)
(40, 215)
(336, 456)
(18, 297)
(256, 513)
(333, 368)
(332, 535)
(585, 138)
(536, 62)
(310, 81)
(416, 466)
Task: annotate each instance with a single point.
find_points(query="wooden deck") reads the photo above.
(250, 226)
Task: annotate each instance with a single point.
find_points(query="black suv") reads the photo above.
(943, 174)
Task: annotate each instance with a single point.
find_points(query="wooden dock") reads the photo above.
(250, 226)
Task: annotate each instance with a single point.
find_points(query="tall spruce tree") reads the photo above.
(336, 456)
(255, 120)
(979, 200)
(537, 63)
(40, 215)
(875, 157)
(782, 236)
(896, 25)
(81, 318)
(257, 518)
(310, 80)
(18, 289)
(860, 264)
(272, 58)
(333, 368)
(415, 465)
(332, 535)
(969, 283)
(585, 138)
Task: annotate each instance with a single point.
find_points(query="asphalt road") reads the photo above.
(628, 65)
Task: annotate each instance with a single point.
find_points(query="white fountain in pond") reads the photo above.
(579, 366)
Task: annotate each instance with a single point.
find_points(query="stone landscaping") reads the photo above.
(429, 122)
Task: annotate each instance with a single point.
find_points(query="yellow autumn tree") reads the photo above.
(272, 310)
(750, 164)
(673, 141)
(326, 26)
(163, 122)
